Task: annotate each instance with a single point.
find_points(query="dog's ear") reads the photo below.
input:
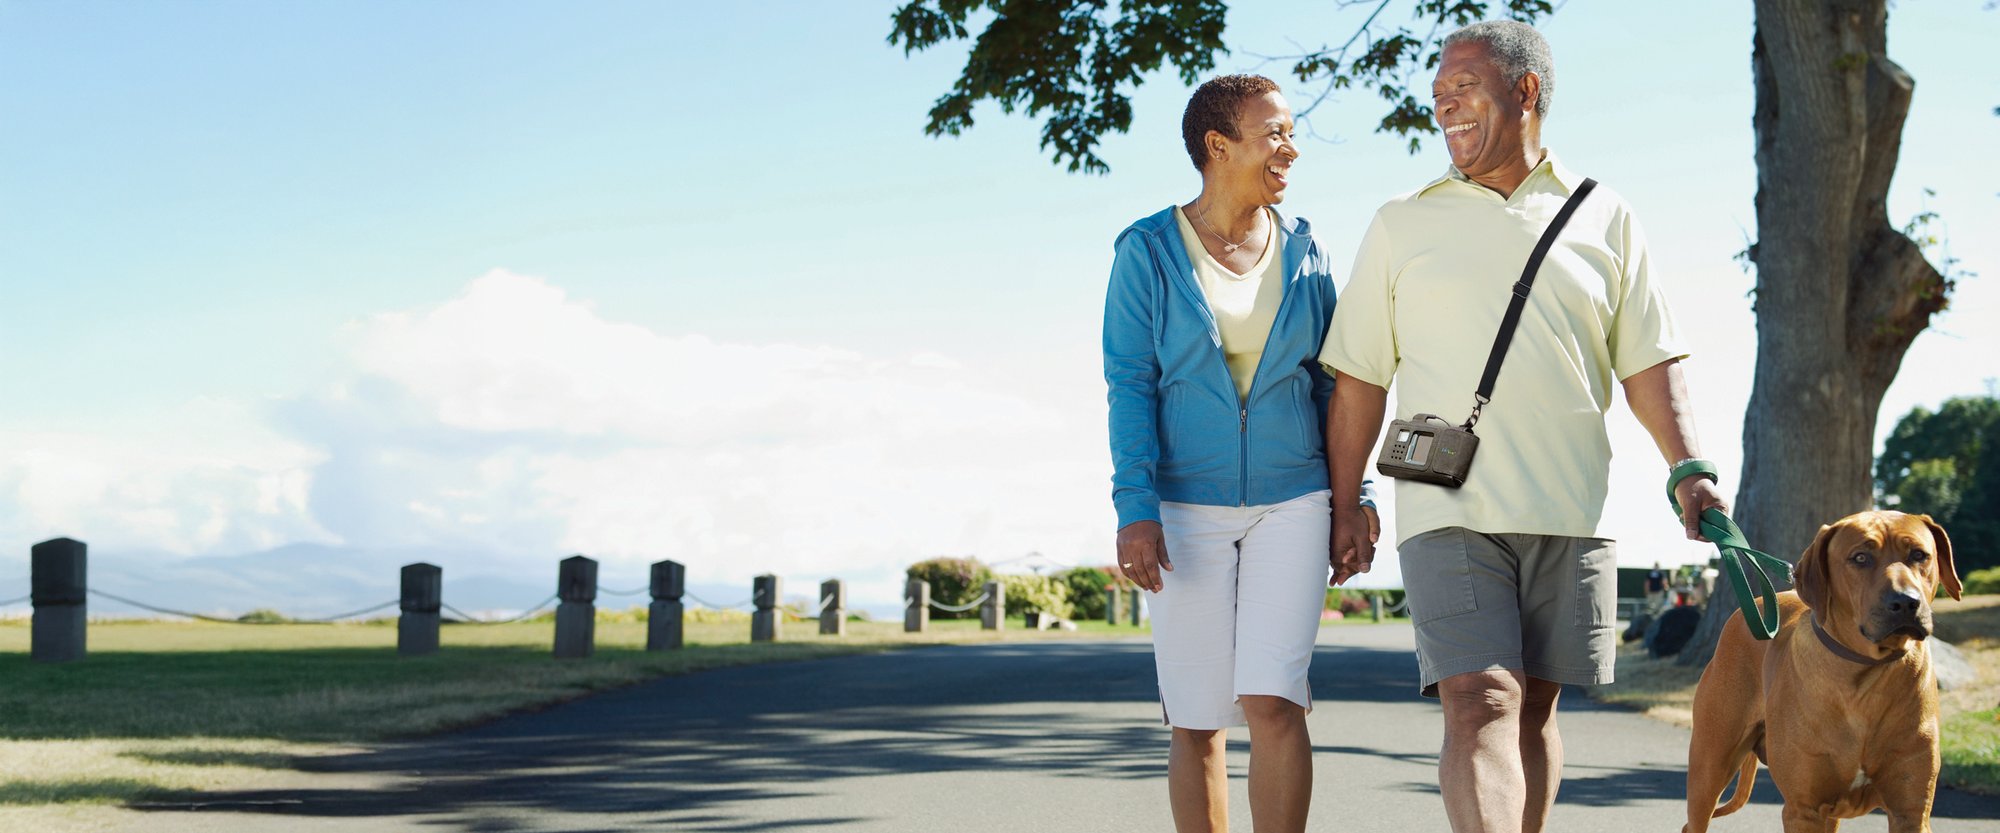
(1947, 574)
(1809, 577)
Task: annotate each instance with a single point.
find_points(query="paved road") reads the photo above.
(1060, 736)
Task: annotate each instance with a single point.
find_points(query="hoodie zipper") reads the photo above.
(1243, 409)
(1229, 382)
(1243, 456)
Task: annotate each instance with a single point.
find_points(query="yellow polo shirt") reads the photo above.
(1244, 305)
(1430, 283)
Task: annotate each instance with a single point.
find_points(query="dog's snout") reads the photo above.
(1902, 602)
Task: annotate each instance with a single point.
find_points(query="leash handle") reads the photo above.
(1735, 552)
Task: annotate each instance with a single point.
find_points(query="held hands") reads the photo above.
(1352, 551)
(1142, 553)
(1697, 495)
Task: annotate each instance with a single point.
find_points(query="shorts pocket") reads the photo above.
(1596, 561)
(1437, 574)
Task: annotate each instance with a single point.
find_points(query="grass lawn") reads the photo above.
(161, 708)
(1970, 734)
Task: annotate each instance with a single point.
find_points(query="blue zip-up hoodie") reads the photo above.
(1178, 430)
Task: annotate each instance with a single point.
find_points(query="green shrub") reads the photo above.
(1356, 602)
(1982, 581)
(264, 616)
(1047, 594)
(954, 581)
(1087, 590)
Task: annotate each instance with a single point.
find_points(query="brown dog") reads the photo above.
(1846, 718)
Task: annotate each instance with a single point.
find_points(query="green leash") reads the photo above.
(1728, 539)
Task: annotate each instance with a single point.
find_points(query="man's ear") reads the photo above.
(1810, 576)
(1947, 573)
(1528, 90)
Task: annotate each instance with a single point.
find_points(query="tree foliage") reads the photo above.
(954, 582)
(1946, 464)
(1071, 62)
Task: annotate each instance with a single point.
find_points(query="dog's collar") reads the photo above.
(1845, 652)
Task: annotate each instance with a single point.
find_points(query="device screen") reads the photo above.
(1420, 450)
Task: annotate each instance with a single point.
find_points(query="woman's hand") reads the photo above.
(1352, 550)
(1142, 553)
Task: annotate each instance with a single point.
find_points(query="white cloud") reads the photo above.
(208, 476)
(518, 421)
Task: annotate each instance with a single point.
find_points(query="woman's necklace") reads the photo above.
(1201, 211)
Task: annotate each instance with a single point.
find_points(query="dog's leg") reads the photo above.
(1907, 798)
(1804, 819)
(1728, 726)
(1709, 773)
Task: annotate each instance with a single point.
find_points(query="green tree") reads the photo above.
(954, 582)
(1841, 292)
(1946, 464)
(1072, 61)
(1045, 594)
(1086, 590)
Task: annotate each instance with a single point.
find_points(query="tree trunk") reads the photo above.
(1841, 293)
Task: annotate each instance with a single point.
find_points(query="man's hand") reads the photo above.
(1352, 551)
(1697, 494)
(1142, 553)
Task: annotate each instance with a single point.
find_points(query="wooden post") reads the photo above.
(1112, 603)
(1375, 607)
(1134, 606)
(993, 611)
(665, 616)
(576, 615)
(833, 608)
(58, 584)
(423, 597)
(767, 622)
(916, 606)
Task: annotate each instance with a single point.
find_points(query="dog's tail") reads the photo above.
(1745, 779)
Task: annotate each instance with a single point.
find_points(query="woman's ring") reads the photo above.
(1126, 566)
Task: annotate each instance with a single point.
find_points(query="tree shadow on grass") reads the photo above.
(196, 756)
(78, 790)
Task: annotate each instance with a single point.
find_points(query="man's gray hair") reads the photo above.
(1518, 50)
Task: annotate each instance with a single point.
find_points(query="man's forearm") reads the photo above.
(1659, 398)
(1354, 417)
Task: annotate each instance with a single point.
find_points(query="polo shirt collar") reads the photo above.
(1550, 165)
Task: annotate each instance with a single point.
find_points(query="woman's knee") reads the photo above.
(1202, 740)
(1266, 709)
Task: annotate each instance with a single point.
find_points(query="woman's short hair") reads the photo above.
(1215, 106)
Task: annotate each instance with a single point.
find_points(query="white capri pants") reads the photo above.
(1240, 610)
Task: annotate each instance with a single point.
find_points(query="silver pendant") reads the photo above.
(1227, 249)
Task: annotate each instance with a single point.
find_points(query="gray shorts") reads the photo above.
(1543, 604)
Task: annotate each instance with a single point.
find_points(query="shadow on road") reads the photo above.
(682, 749)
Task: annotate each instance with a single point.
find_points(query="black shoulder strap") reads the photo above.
(1520, 301)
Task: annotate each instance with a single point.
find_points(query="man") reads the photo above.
(1512, 594)
(1656, 589)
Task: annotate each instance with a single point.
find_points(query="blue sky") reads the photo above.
(657, 280)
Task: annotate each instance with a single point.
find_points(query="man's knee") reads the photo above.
(1475, 700)
(1539, 697)
(1266, 710)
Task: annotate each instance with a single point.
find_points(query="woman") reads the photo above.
(1214, 317)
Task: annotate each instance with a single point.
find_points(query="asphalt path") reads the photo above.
(1043, 736)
